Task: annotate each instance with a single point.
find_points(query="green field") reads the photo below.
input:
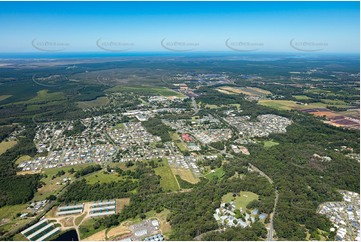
(177, 140)
(5, 145)
(241, 200)
(218, 173)
(301, 97)
(119, 126)
(11, 211)
(86, 229)
(102, 178)
(146, 90)
(167, 180)
(289, 105)
(44, 96)
(269, 143)
(99, 102)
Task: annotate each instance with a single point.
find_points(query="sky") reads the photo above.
(242, 27)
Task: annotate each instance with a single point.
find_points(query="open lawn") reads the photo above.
(146, 90)
(269, 143)
(5, 145)
(102, 178)
(99, 102)
(185, 174)
(167, 180)
(241, 200)
(218, 173)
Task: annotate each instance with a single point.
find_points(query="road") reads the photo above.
(270, 230)
(196, 109)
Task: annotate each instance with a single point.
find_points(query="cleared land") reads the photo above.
(87, 231)
(177, 140)
(22, 159)
(270, 143)
(289, 105)
(99, 102)
(121, 203)
(241, 200)
(185, 174)
(146, 91)
(5, 145)
(250, 91)
(167, 180)
(118, 231)
(218, 173)
(102, 177)
(301, 97)
(3, 97)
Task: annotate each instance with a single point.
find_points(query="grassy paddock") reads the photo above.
(167, 180)
(5, 145)
(241, 200)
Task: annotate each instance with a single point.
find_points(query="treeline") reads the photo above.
(156, 127)
(82, 191)
(253, 233)
(87, 170)
(5, 131)
(17, 189)
(78, 128)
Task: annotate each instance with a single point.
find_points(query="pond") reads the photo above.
(70, 235)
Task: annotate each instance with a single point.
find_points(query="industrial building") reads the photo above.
(102, 208)
(40, 231)
(67, 210)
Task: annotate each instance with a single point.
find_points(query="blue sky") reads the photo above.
(182, 26)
